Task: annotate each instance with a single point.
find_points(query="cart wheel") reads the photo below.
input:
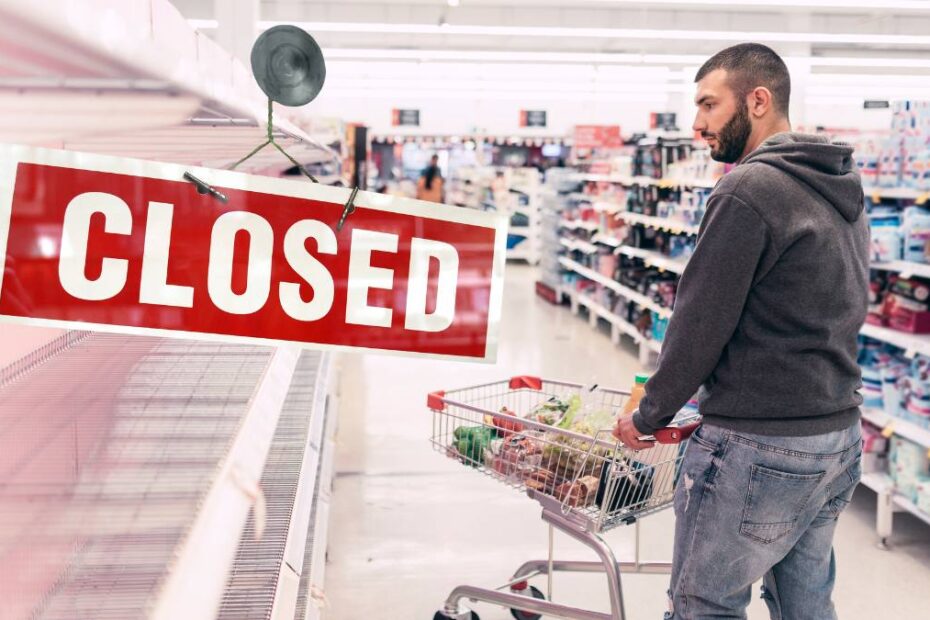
(441, 616)
(519, 614)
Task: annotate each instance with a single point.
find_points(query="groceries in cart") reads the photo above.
(559, 445)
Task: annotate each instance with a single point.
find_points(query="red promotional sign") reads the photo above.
(127, 245)
(597, 136)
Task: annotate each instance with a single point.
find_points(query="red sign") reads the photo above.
(597, 136)
(127, 245)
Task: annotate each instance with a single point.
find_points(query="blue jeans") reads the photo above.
(752, 507)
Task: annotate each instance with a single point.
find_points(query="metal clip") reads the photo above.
(348, 210)
(203, 188)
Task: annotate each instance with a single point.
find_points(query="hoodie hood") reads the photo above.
(827, 167)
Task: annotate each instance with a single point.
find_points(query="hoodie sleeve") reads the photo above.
(711, 295)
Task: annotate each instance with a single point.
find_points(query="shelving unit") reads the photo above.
(898, 193)
(640, 180)
(660, 223)
(889, 500)
(618, 325)
(154, 461)
(907, 269)
(911, 343)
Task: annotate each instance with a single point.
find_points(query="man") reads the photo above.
(766, 324)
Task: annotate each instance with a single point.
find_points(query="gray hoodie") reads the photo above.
(770, 305)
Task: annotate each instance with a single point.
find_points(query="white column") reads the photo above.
(800, 69)
(236, 26)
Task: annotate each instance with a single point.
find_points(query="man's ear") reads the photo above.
(759, 101)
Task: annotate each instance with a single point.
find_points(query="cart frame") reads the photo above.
(584, 526)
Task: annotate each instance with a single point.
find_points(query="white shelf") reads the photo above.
(580, 224)
(627, 328)
(906, 268)
(911, 343)
(902, 428)
(655, 259)
(882, 483)
(662, 223)
(640, 180)
(607, 240)
(577, 244)
(909, 506)
(896, 192)
(625, 292)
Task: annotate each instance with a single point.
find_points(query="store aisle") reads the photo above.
(408, 524)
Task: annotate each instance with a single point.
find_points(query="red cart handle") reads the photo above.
(675, 434)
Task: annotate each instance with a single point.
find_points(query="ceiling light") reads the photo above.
(870, 5)
(388, 54)
(611, 33)
(453, 2)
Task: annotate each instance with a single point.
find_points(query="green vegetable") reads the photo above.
(471, 441)
(574, 405)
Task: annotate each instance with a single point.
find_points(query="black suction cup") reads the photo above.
(288, 65)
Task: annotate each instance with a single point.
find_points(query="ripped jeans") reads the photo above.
(752, 507)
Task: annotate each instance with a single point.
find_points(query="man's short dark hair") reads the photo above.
(750, 65)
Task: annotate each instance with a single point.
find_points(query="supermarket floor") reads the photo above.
(408, 525)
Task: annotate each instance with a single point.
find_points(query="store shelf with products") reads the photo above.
(623, 291)
(897, 193)
(907, 269)
(618, 325)
(642, 180)
(912, 344)
(897, 426)
(660, 223)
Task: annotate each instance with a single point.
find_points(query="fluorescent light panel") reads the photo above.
(609, 33)
(919, 6)
(427, 55)
(596, 33)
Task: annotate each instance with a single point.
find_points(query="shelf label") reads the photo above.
(876, 197)
(910, 353)
(888, 431)
(922, 199)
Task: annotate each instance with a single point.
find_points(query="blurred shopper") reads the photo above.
(766, 324)
(430, 184)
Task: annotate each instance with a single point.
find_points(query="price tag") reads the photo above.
(922, 199)
(907, 275)
(876, 197)
(888, 431)
(910, 353)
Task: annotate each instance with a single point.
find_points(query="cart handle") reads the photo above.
(673, 434)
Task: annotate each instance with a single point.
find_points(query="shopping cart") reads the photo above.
(587, 482)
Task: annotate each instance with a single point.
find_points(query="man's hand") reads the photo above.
(626, 432)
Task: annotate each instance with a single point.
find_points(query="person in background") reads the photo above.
(430, 184)
(766, 323)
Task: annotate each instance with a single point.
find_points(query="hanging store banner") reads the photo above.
(532, 118)
(597, 136)
(125, 245)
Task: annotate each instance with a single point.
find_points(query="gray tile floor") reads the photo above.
(408, 525)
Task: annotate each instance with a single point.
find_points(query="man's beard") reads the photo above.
(732, 139)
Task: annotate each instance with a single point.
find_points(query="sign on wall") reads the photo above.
(126, 245)
(875, 104)
(597, 136)
(532, 118)
(405, 118)
(663, 120)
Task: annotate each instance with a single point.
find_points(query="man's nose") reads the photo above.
(699, 124)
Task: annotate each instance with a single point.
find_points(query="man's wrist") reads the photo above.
(641, 424)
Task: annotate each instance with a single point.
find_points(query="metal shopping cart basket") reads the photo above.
(587, 482)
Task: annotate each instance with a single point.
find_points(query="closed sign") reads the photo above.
(127, 245)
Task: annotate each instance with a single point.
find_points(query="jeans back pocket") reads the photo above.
(774, 502)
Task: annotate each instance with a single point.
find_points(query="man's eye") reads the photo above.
(708, 106)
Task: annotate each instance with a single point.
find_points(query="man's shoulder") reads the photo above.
(741, 180)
